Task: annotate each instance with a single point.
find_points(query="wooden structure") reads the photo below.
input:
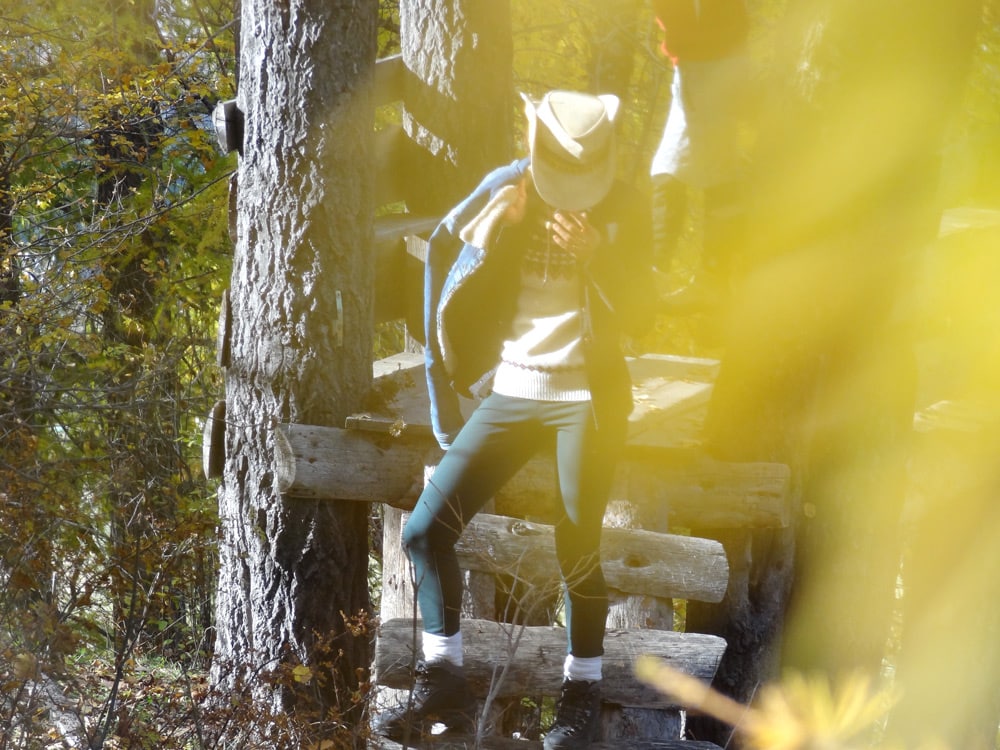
(664, 482)
(514, 648)
(663, 478)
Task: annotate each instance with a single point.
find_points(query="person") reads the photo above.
(530, 283)
(699, 149)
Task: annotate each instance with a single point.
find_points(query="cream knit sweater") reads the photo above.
(543, 358)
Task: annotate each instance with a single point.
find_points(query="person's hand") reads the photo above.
(573, 232)
(518, 205)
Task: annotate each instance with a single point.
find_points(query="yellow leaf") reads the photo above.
(302, 674)
(25, 666)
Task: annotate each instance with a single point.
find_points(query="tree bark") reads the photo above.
(292, 571)
(458, 93)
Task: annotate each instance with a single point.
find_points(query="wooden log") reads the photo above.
(699, 491)
(634, 561)
(365, 466)
(529, 660)
(359, 465)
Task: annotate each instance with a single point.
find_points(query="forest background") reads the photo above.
(116, 250)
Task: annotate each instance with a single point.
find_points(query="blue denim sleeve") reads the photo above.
(446, 414)
(443, 249)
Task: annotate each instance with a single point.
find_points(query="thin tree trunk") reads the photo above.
(142, 441)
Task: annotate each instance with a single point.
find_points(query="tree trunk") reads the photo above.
(457, 103)
(884, 192)
(26, 562)
(458, 92)
(457, 111)
(292, 571)
(842, 197)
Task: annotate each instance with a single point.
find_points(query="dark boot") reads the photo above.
(578, 713)
(440, 695)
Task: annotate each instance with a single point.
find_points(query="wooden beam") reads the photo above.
(519, 660)
(634, 561)
(371, 466)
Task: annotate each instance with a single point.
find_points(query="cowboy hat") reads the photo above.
(571, 137)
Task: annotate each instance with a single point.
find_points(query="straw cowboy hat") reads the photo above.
(572, 141)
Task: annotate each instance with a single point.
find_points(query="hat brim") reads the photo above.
(572, 190)
(564, 177)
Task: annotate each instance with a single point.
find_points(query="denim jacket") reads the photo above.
(471, 286)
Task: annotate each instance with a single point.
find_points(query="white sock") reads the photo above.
(443, 648)
(583, 668)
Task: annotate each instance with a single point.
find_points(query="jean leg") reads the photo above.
(496, 441)
(586, 464)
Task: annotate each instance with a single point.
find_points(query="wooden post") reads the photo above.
(629, 611)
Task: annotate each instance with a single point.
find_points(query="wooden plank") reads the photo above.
(517, 660)
(409, 364)
(394, 227)
(634, 561)
(670, 394)
(964, 416)
(961, 218)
